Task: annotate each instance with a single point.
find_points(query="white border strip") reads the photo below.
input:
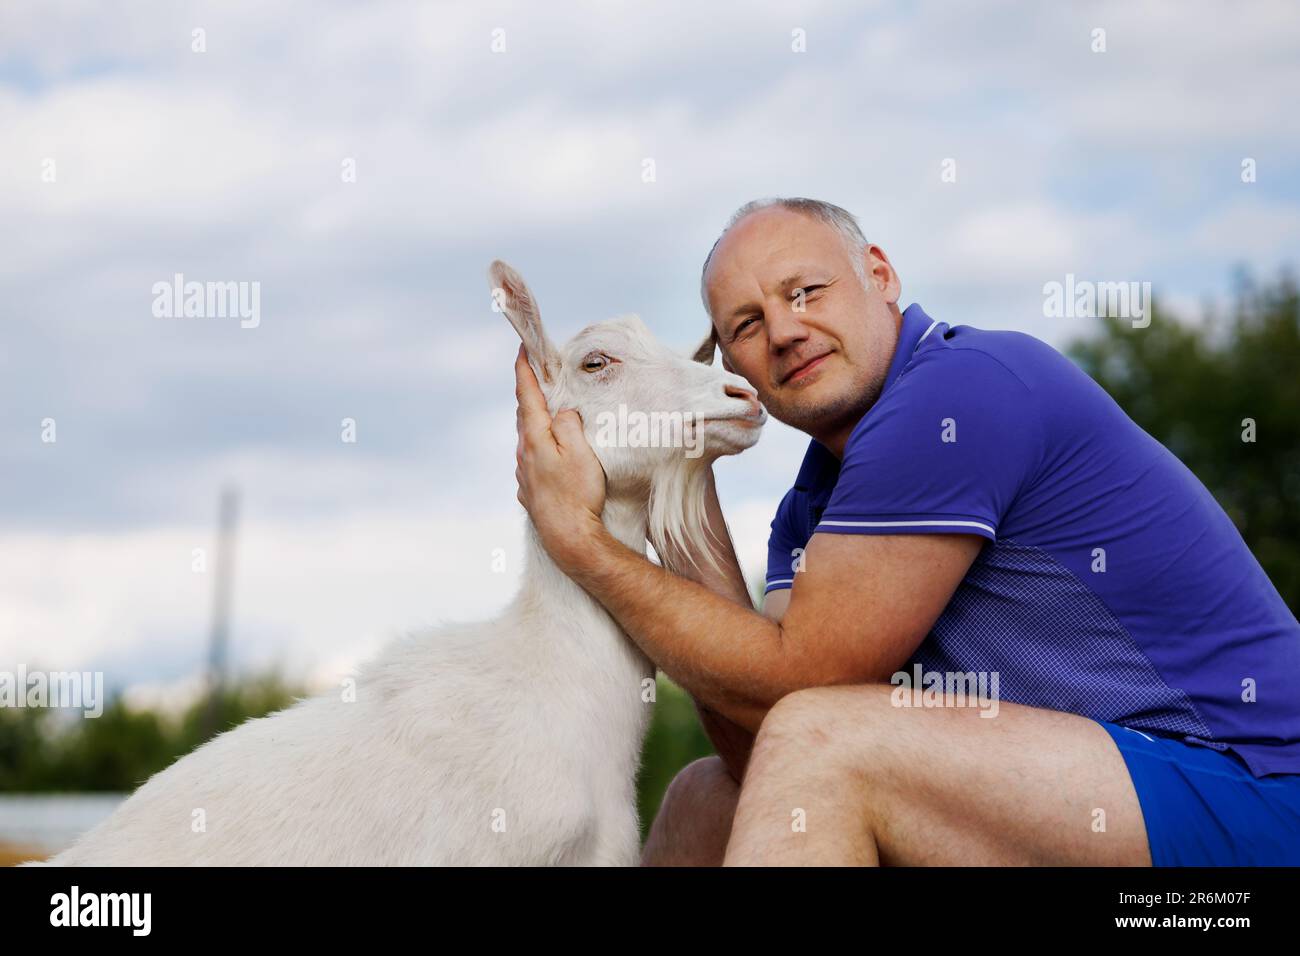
(910, 524)
(927, 332)
(781, 581)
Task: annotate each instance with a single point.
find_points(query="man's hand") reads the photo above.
(561, 483)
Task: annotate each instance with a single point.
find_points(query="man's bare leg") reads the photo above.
(694, 820)
(840, 775)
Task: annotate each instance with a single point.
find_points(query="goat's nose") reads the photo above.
(744, 394)
(738, 391)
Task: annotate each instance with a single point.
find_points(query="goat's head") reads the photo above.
(655, 418)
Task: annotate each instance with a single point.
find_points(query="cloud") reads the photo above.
(306, 591)
(227, 165)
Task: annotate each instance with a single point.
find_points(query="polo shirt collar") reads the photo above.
(820, 466)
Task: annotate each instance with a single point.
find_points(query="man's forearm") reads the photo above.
(732, 742)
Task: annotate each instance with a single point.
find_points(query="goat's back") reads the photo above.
(469, 745)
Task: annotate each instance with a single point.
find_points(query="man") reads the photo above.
(971, 506)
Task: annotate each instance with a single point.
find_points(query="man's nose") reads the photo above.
(784, 326)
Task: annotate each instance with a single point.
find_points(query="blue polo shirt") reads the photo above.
(1112, 584)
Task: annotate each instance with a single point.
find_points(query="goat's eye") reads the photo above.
(594, 362)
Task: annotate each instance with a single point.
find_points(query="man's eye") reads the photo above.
(807, 291)
(744, 325)
(595, 362)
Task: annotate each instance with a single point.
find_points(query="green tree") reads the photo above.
(41, 750)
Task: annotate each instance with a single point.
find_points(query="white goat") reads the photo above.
(514, 741)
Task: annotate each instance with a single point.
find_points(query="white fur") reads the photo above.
(513, 741)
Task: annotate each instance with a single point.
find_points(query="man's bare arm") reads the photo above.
(857, 611)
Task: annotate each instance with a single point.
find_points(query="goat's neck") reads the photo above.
(546, 586)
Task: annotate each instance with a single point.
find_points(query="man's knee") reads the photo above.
(820, 729)
(704, 777)
(803, 718)
(694, 818)
(702, 791)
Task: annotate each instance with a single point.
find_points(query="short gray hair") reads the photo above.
(838, 218)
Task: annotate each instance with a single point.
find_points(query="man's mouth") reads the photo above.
(799, 371)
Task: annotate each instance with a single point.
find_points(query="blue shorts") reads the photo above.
(1203, 807)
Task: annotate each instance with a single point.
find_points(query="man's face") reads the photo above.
(821, 368)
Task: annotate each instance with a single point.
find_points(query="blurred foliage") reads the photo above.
(1191, 385)
(675, 739)
(45, 750)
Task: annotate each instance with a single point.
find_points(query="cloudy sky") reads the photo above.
(128, 157)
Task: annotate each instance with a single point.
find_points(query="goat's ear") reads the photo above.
(512, 296)
(704, 351)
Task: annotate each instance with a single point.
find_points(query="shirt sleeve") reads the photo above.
(789, 533)
(946, 450)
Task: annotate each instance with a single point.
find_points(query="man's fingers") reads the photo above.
(567, 428)
(534, 416)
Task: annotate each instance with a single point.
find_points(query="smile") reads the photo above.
(804, 369)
